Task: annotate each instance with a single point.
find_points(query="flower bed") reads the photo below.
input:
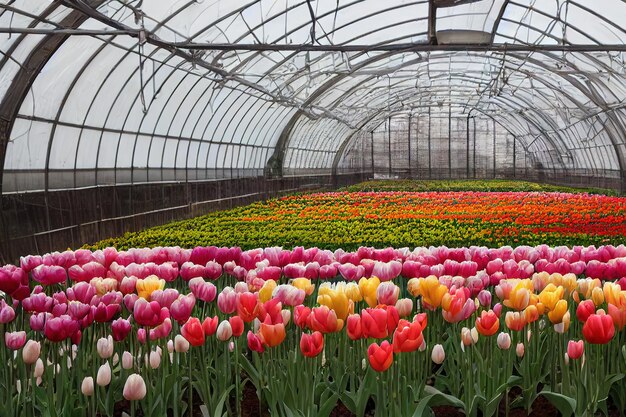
(400, 219)
(167, 329)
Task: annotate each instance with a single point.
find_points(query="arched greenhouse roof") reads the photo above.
(99, 92)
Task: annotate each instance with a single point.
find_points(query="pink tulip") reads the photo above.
(270, 272)
(37, 321)
(294, 270)
(49, 275)
(289, 295)
(411, 269)
(129, 301)
(181, 308)
(484, 298)
(128, 285)
(224, 331)
(165, 297)
(104, 347)
(227, 300)
(351, 272)
(328, 271)
(190, 270)
(7, 314)
(30, 262)
(404, 307)
(161, 331)
(387, 293)
(167, 271)
(200, 255)
(149, 313)
(38, 303)
(103, 313)
(81, 291)
(213, 270)
(120, 329)
(254, 342)
(15, 340)
(134, 388)
(202, 290)
(494, 266)
(60, 328)
(31, 352)
(387, 271)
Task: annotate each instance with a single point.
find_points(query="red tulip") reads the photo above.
(193, 332)
(599, 328)
(380, 357)
(488, 323)
(323, 319)
(103, 313)
(209, 325)
(301, 315)
(49, 275)
(585, 309)
(354, 327)
(407, 337)
(311, 345)
(236, 323)
(374, 323)
(575, 349)
(247, 306)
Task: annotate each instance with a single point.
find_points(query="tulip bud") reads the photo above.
(404, 307)
(31, 352)
(438, 354)
(474, 334)
(231, 346)
(134, 388)
(87, 386)
(127, 360)
(181, 344)
(170, 346)
(504, 341)
(519, 350)
(38, 372)
(18, 386)
(155, 359)
(224, 331)
(105, 347)
(484, 298)
(286, 314)
(423, 346)
(566, 359)
(466, 337)
(103, 378)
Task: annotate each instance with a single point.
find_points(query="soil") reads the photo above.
(251, 408)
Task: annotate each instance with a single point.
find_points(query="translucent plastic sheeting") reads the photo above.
(168, 110)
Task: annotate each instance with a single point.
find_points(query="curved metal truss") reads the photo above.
(129, 91)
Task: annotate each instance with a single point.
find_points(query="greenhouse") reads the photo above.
(312, 207)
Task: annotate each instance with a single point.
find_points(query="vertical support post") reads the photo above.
(389, 128)
(474, 156)
(467, 148)
(409, 145)
(450, 140)
(417, 147)
(514, 157)
(430, 170)
(372, 153)
(494, 148)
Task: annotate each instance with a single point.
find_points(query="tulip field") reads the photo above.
(348, 220)
(165, 330)
(331, 304)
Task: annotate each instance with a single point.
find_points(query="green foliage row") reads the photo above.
(468, 185)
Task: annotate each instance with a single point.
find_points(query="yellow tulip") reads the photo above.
(612, 293)
(265, 293)
(336, 299)
(303, 284)
(556, 315)
(104, 285)
(353, 292)
(597, 296)
(551, 295)
(413, 286)
(519, 297)
(563, 326)
(145, 287)
(368, 287)
(432, 291)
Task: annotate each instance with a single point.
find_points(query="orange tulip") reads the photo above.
(272, 334)
(515, 320)
(247, 306)
(557, 313)
(487, 324)
(380, 357)
(368, 287)
(519, 297)
(618, 315)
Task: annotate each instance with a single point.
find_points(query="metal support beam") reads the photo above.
(450, 140)
(389, 128)
(467, 148)
(514, 157)
(494, 148)
(409, 145)
(372, 150)
(474, 147)
(430, 170)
